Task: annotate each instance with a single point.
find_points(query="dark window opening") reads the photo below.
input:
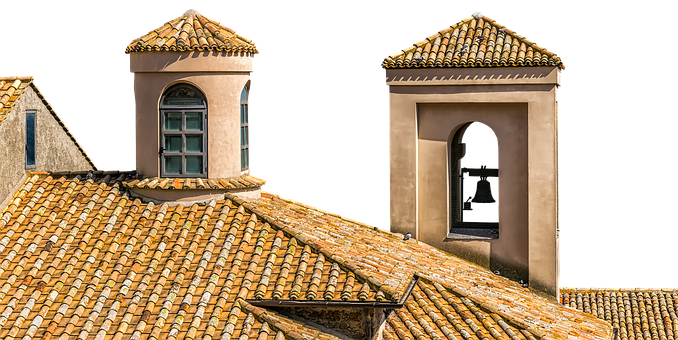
(30, 139)
(245, 143)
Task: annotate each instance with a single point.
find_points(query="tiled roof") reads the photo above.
(242, 182)
(11, 89)
(436, 312)
(636, 313)
(191, 32)
(80, 258)
(476, 41)
(389, 262)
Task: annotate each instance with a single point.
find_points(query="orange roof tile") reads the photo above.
(11, 89)
(242, 182)
(96, 262)
(80, 258)
(635, 313)
(436, 312)
(191, 32)
(389, 262)
(476, 41)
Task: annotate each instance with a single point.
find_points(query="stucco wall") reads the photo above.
(436, 122)
(55, 150)
(419, 201)
(220, 76)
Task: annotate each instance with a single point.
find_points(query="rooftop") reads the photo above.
(82, 257)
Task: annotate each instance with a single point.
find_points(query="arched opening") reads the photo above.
(183, 132)
(474, 179)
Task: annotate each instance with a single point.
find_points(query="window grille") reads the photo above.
(183, 137)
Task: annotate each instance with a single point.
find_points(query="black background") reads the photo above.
(321, 141)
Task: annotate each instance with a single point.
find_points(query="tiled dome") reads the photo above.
(476, 41)
(191, 32)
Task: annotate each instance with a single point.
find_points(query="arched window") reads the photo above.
(244, 133)
(474, 181)
(183, 132)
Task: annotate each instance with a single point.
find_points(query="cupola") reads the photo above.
(191, 86)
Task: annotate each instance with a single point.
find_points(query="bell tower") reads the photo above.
(477, 71)
(191, 84)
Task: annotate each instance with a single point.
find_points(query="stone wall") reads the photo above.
(55, 150)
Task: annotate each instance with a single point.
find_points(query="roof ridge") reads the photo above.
(515, 322)
(639, 289)
(393, 293)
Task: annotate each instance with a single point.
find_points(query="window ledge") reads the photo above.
(472, 234)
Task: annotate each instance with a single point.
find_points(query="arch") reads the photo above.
(183, 132)
(183, 94)
(459, 191)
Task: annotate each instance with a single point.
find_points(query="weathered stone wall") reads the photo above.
(55, 150)
(12, 152)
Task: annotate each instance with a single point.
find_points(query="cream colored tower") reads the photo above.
(478, 71)
(197, 130)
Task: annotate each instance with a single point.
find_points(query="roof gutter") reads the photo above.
(346, 304)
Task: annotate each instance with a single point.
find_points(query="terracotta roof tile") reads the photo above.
(81, 258)
(476, 41)
(389, 263)
(11, 88)
(192, 32)
(242, 182)
(636, 313)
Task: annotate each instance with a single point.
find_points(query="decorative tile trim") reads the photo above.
(242, 182)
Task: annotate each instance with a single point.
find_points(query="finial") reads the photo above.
(191, 12)
(477, 15)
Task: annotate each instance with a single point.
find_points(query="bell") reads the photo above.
(483, 192)
(467, 204)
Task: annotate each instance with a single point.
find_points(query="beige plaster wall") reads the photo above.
(437, 123)
(519, 105)
(55, 150)
(220, 76)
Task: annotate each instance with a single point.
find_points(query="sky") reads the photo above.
(319, 105)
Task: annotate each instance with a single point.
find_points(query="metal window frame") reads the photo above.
(35, 149)
(183, 133)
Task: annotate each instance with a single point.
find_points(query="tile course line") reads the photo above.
(33, 271)
(75, 259)
(214, 276)
(160, 248)
(197, 275)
